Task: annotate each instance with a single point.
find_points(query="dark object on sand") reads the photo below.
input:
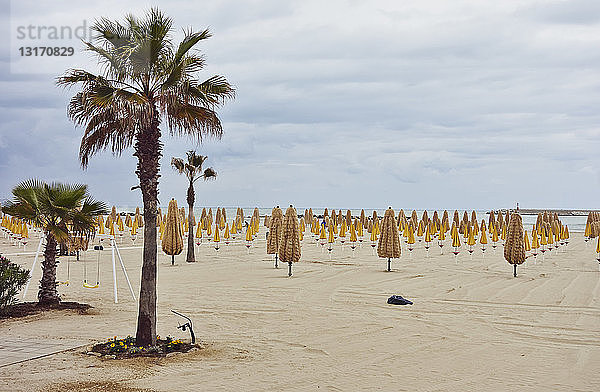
(398, 300)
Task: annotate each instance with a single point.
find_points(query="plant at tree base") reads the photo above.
(192, 168)
(146, 80)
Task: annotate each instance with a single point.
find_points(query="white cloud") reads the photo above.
(417, 104)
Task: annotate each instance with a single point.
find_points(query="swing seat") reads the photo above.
(91, 286)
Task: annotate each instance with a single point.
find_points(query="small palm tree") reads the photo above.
(193, 171)
(62, 211)
(146, 79)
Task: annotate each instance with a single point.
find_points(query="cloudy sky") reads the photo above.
(345, 104)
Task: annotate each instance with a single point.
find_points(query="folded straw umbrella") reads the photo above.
(389, 240)
(172, 243)
(113, 213)
(274, 236)
(289, 249)
(514, 250)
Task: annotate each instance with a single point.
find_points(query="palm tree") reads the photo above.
(193, 171)
(145, 80)
(62, 211)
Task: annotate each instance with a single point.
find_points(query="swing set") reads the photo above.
(88, 284)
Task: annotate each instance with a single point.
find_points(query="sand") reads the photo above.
(472, 326)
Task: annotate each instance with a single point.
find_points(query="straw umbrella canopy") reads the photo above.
(172, 243)
(362, 217)
(425, 218)
(289, 248)
(113, 213)
(218, 217)
(348, 218)
(456, 218)
(500, 221)
(325, 213)
(275, 232)
(514, 250)
(389, 240)
(203, 216)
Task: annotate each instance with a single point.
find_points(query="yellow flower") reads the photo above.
(112, 345)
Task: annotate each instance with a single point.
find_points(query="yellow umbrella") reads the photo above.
(428, 237)
(420, 230)
(120, 224)
(134, 228)
(411, 237)
(373, 237)
(526, 241)
(323, 235)
(535, 244)
(504, 230)
(483, 240)
(226, 234)
(359, 231)
(471, 240)
(112, 229)
(300, 235)
(353, 237)
(249, 234)
(100, 225)
(494, 236)
(233, 228)
(342, 234)
(24, 231)
(161, 229)
(455, 242)
(216, 237)
(208, 230)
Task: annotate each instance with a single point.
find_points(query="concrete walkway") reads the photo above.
(14, 350)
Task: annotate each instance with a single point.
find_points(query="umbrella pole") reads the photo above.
(172, 259)
(276, 266)
(389, 262)
(290, 268)
(515, 272)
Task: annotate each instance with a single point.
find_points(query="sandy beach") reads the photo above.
(472, 326)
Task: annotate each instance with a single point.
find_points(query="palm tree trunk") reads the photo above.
(148, 151)
(191, 257)
(48, 295)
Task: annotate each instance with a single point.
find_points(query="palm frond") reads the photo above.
(178, 164)
(209, 174)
